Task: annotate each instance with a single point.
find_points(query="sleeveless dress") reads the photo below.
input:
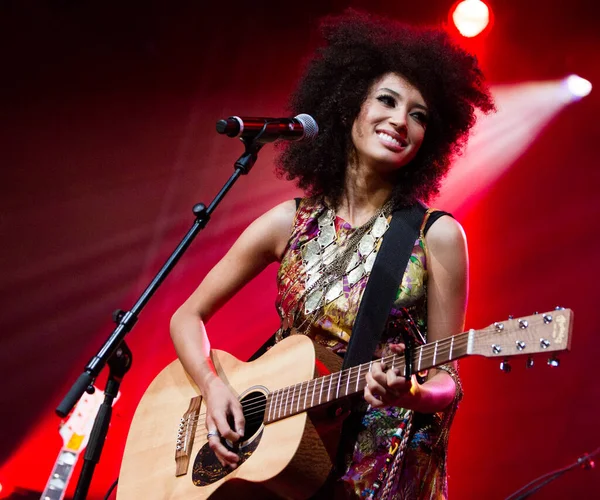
(365, 449)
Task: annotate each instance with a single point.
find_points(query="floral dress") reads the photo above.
(423, 472)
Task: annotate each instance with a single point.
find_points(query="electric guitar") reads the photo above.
(75, 433)
(290, 442)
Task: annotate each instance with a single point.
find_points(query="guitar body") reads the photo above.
(288, 458)
(291, 438)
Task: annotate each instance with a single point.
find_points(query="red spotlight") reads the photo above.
(471, 17)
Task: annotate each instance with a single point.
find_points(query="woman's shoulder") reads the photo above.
(275, 226)
(446, 239)
(444, 228)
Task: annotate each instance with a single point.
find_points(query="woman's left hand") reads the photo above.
(387, 387)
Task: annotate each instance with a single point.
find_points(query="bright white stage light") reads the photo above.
(498, 140)
(578, 87)
(471, 17)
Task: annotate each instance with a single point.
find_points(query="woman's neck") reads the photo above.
(365, 192)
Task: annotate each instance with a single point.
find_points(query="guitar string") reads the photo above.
(296, 390)
(424, 352)
(258, 404)
(426, 349)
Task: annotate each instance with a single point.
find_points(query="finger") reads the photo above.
(216, 444)
(376, 368)
(398, 348)
(375, 388)
(393, 378)
(376, 373)
(383, 365)
(390, 377)
(401, 386)
(372, 399)
(213, 440)
(224, 456)
(239, 420)
(224, 428)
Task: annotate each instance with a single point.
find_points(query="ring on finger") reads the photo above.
(212, 433)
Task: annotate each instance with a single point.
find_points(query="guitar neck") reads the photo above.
(61, 473)
(319, 391)
(547, 332)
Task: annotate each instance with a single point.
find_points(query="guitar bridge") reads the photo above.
(185, 436)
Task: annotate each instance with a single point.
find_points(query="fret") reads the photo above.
(306, 393)
(279, 404)
(287, 397)
(321, 391)
(270, 404)
(298, 396)
(337, 390)
(273, 405)
(311, 393)
(348, 372)
(292, 401)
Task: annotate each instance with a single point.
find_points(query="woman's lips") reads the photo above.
(391, 140)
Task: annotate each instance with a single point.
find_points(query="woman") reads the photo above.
(394, 105)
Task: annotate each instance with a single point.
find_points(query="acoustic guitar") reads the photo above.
(290, 442)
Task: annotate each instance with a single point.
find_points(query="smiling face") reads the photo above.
(390, 128)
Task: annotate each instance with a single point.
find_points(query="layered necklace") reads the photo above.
(327, 261)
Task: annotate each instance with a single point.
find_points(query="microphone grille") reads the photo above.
(311, 129)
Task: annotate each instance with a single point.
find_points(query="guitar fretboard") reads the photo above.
(319, 391)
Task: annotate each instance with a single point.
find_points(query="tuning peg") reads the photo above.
(90, 389)
(554, 361)
(529, 362)
(505, 366)
(559, 308)
(510, 316)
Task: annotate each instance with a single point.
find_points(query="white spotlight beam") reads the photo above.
(498, 140)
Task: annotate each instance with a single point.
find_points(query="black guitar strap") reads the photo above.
(384, 281)
(382, 286)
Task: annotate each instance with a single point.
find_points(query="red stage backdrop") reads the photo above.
(108, 140)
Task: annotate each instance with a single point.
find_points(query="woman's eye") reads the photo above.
(421, 117)
(388, 100)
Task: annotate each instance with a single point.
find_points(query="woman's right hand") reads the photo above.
(222, 408)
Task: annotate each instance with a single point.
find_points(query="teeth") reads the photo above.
(389, 138)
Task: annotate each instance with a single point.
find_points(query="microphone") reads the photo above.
(300, 127)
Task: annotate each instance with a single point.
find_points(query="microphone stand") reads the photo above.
(115, 351)
(585, 462)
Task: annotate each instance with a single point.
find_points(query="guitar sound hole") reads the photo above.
(207, 468)
(253, 404)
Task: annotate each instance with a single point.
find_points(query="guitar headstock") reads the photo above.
(75, 430)
(549, 332)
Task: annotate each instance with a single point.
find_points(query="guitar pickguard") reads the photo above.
(207, 469)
